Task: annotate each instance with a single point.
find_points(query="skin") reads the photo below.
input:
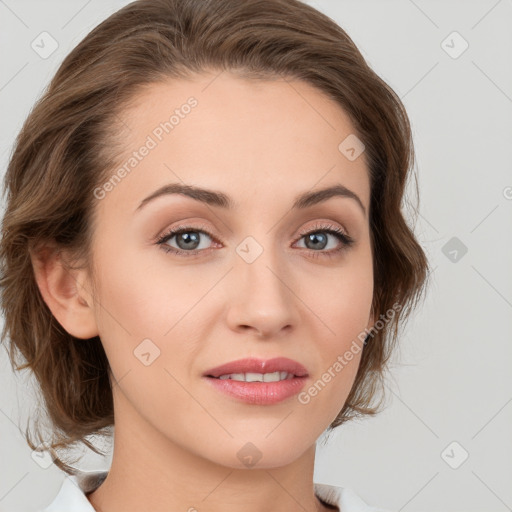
(176, 437)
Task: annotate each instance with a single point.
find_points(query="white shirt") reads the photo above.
(71, 496)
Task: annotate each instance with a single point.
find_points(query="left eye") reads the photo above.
(188, 240)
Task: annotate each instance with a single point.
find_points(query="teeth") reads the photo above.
(258, 377)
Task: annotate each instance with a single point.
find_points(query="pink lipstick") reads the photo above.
(258, 381)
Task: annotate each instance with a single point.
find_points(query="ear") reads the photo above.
(64, 292)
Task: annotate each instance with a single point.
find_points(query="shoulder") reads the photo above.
(344, 498)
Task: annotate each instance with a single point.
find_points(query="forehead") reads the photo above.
(251, 138)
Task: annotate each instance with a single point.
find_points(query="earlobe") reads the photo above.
(63, 292)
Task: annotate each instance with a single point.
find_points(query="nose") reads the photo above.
(262, 298)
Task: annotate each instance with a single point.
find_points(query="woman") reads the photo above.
(203, 246)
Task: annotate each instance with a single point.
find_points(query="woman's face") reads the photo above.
(248, 281)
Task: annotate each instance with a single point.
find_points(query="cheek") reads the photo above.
(147, 313)
(343, 297)
(137, 295)
(344, 309)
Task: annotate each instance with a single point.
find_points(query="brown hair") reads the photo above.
(64, 151)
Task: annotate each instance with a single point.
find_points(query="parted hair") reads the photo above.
(64, 151)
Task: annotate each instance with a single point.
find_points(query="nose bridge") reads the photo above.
(262, 289)
(259, 264)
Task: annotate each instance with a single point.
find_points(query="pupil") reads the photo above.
(194, 239)
(314, 238)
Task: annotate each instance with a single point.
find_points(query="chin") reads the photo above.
(258, 452)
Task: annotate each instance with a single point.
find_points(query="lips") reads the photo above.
(252, 365)
(241, 380)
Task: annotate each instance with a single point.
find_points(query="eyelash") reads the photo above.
(346, 240)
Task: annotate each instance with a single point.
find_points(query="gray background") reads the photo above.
(451, 381)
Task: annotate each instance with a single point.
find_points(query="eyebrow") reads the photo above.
(221, 200)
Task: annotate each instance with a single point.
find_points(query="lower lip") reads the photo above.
(259, 393)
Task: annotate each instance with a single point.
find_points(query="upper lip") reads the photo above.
(252, 365)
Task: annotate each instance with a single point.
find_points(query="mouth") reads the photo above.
(259, 382)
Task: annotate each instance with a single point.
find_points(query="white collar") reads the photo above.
(71, 496)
